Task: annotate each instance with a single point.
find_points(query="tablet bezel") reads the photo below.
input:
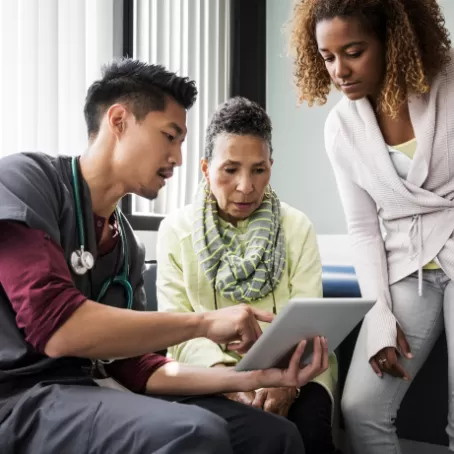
(333, 318)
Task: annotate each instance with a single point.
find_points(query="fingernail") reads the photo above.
(410, 356)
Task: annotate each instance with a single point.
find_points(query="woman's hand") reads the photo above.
(296, 376)
(275, 400)
(245, 398)
(387, 359)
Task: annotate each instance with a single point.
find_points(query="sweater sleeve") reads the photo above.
(173, 297)
(368, 250)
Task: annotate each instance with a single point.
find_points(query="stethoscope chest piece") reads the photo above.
(82, 261)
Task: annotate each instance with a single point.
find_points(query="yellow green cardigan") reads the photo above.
(183, 287)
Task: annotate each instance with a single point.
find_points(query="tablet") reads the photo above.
(333, 318)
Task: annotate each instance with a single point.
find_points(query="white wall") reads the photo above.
(301, 173)
(149, 240)
(448, 9)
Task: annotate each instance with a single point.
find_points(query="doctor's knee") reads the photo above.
(206, 433)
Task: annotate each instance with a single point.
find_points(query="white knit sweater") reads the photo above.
(417, 212)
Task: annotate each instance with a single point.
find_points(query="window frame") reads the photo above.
(248, 72)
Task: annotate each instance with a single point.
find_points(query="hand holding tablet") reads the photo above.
(304, 319)
(295, 376)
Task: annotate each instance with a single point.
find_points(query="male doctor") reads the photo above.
(72, 298)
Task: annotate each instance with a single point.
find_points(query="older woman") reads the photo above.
(237, 243)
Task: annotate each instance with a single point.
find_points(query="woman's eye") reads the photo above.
(355, 54)
(230, 170)
(259, 170)
(329, 59)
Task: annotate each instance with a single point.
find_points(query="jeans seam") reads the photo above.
(90, 434)
(402, 383)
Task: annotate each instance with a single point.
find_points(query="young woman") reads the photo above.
(237, 243)
(391, 144)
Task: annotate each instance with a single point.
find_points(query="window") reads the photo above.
(221, 44)
(52, 51)
(191, 38)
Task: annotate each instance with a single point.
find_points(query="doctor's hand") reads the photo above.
(295, 376)
(236, 326)
(387, 359)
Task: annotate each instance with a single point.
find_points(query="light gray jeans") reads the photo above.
(370, 403)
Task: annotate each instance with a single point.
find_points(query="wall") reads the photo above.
(149, 240)
(448, 9)
(301, 174)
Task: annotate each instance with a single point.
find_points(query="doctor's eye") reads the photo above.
(170, 138)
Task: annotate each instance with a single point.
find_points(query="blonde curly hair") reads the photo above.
(416, 40)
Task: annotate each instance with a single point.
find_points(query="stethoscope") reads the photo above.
(83, 261)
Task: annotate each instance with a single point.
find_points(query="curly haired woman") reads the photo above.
(391, 144)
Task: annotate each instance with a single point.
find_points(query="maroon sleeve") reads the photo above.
(37, 282)
(133, 373)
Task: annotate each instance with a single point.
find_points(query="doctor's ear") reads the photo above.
(116, 116)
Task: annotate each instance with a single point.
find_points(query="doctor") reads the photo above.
(71, 267)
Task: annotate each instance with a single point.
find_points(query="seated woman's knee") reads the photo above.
(279, 434)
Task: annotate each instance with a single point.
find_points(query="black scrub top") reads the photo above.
(37, 190)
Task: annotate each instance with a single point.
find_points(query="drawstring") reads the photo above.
(416, 230)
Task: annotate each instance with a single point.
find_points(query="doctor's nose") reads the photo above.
(176, 158)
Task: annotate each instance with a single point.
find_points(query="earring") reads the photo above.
(268, 192)
(207, 189)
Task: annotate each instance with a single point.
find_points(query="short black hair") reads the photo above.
(144, 86)
(238, 116)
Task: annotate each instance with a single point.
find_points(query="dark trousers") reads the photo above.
(250, 430)
(75, 419)
(311, 413)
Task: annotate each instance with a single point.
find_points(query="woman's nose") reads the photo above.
(245, 186)
(341, 70)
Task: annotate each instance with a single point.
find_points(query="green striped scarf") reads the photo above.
(240, 275)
